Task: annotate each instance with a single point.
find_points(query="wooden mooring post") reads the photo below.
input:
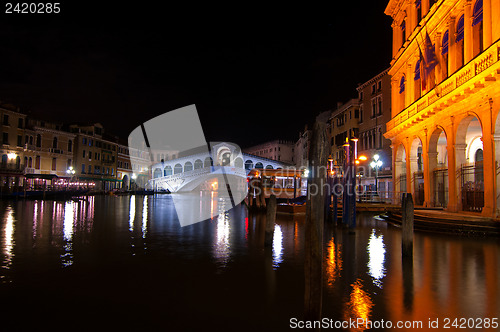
(407, 225)
(314, 224)
(270, 220)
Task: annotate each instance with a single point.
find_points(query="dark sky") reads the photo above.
(252, 78)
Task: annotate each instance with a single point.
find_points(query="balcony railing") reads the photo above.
(12, 168)
(427, 105)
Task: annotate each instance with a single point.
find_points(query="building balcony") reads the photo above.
(480, 72)
(12, 168)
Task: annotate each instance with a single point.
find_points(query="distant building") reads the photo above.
(301, 155)
(374, 113)
(278, 150)
(344, 123)
(48, 154)
(96, 156)
(445, 123)
(12, 149)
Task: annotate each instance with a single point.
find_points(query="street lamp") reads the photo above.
(376, 164)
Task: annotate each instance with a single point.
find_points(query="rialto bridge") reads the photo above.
(225, 159)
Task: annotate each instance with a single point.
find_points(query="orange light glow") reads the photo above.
(359, 306)
(363, 158)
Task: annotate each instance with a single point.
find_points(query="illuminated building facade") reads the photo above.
(95, 156)
(12, 149)
(445, 123)
(374, 112)
(48, 154)
(279, 150)
(343, 123)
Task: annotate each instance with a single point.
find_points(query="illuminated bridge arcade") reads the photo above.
(187, 173)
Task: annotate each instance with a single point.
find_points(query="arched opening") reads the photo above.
(177, 169)
(223, 156)
(477, 28)
(125, 182)
(198, 164)
(471, 181)
(188, 166)
(157, 173)
(400, 169)
(269, 166)
(167, 170)
(248, 165)
(54, 143)
(417, 171)
(208, 162)
(259, 165)
(438, 164)
(238, 163)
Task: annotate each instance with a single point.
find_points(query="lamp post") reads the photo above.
(358, 161)
(71, 172)
(376, 164)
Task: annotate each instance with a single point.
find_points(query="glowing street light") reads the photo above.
(376, 164)
(12, 155)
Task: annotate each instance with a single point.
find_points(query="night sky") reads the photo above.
(252, 78)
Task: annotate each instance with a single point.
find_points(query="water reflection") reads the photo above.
(359, 306)
(69, 218)
(222, 250)
(144, 227)
(277, 246)
(8, 238)
(376, 251)
(131, 213)
(333, 262)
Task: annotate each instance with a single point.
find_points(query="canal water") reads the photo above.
(124, 262)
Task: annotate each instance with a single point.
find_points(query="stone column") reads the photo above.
(489, 171)
(429, 170)
(468, 43)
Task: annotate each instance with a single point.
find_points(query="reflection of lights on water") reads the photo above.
(35, 218)
(222, 248)
(9, 243)
(376, 251)
(277, 246)
(333, 262)
(144, 216)
(68, 225)
(359, 306)
(131, 213)
(69, 215)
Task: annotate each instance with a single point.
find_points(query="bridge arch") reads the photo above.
(269, 167)
(198, 164)
(167, 170)
(188, 166)
(259, 165)
(177, 169)
(248, 164)
(157, 173)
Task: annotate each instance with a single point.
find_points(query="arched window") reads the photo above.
(402, 85)
(198, 164)
(177, 168)
(38, 141)
(418, 6)
(259, 165)
(416, 77)
(444, 52)
(188, 166)
(477, 28)
(54, 143)
(4, 159)
(157, 173)
(70, 145)
(269, 167)
(460, 42)
(167, 171)
(403, 31)
(248, 165)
